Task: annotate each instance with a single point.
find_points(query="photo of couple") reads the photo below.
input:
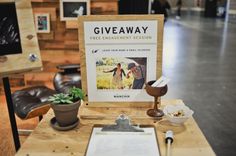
(121, 73)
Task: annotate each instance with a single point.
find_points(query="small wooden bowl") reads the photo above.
(155, 91)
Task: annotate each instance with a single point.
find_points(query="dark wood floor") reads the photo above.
(199, 57)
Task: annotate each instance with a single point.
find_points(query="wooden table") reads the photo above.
(188, 139)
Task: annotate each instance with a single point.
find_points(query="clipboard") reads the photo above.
(123, 139)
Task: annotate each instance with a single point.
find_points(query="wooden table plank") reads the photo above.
(188, 139)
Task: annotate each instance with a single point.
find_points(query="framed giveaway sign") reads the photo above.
(19, 50)
(118, 55)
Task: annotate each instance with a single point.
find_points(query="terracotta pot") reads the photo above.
(66, 115)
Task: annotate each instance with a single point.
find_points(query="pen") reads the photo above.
(169, 141)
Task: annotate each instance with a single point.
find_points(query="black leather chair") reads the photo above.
(31, 102)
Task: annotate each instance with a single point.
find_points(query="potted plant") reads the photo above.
(66, 106)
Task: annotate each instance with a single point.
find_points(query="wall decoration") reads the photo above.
(118, 55)
(10, 42)
(72, 9)
(18, 37)
(42, 23)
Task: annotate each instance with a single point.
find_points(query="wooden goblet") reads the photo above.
(156, 92)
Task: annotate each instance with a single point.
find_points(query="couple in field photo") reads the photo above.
(138, 72)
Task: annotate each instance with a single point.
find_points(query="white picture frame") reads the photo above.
(72, 9)
(42, 22)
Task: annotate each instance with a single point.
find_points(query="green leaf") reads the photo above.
(76, 94)
(60, 99)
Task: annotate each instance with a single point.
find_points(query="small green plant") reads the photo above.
(74, 95)
(61, 99)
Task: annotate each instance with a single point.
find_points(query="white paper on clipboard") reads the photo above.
(123, 143)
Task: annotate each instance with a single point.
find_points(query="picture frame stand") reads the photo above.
(107, 44)
(24, 57)
(7, 90)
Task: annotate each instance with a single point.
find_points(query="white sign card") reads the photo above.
(120, 56)
(123, 143)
